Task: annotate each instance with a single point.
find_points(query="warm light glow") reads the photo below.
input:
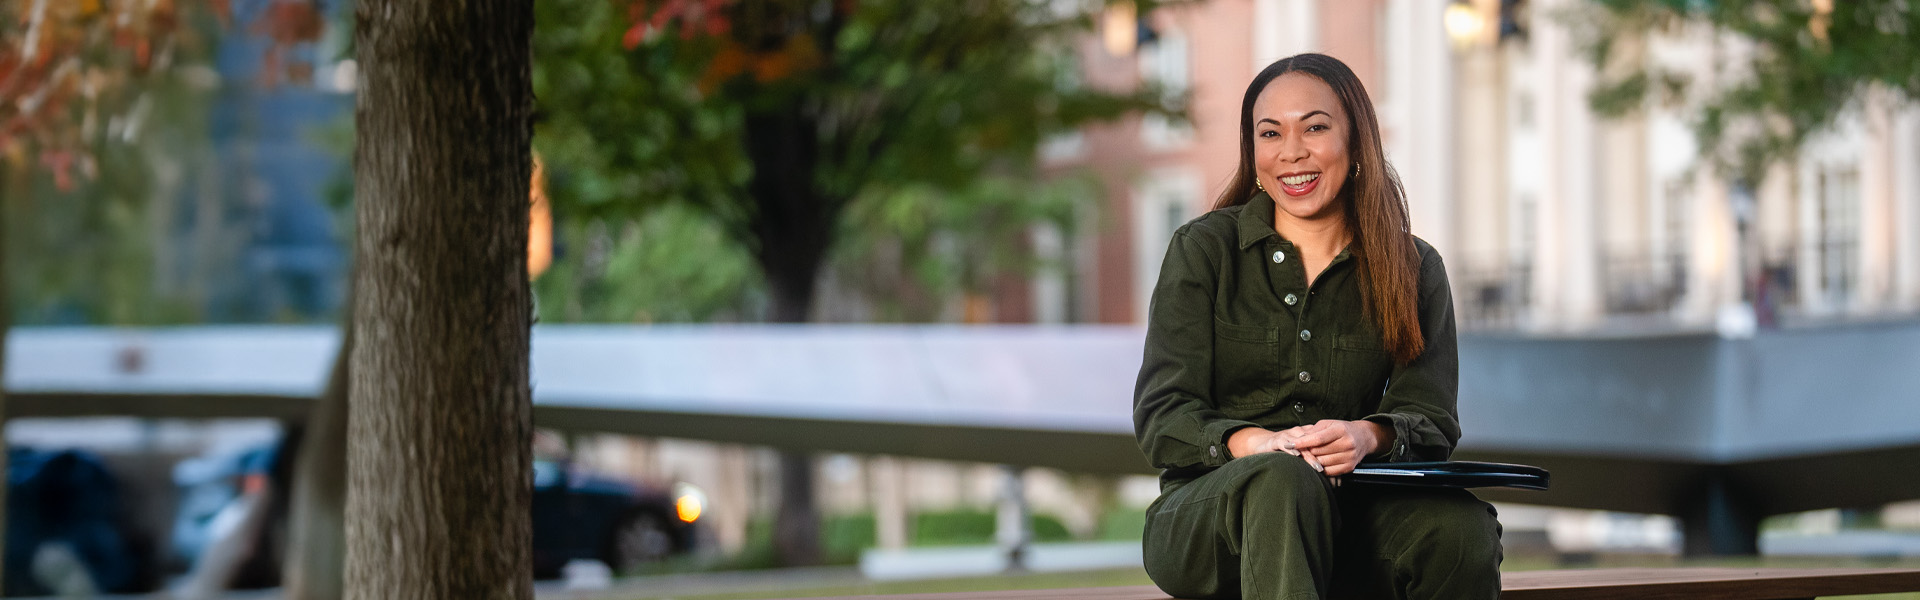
(1465, 24)
(687, 508)
(688, 502)
(539, 224)
(1120, 28)
(1822, 19)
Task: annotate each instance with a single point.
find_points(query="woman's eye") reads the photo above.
(1316, 128)
(1268, 134)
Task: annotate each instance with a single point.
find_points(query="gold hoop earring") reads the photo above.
(1256, 185)
(1356, 168)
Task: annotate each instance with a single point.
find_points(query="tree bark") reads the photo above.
(316, 548)
(439, 436)
(794, 225)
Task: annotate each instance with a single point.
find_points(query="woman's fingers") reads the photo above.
(1313, 461)
(1322, 434)
(1281, 443)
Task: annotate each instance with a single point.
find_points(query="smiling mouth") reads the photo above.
(1299, 184)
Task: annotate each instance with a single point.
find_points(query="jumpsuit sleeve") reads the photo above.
(1174, 416)
(1420, 402)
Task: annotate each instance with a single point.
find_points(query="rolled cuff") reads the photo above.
(1402, 431)
(1216, 433)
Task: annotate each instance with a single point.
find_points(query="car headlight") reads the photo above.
(688, 502)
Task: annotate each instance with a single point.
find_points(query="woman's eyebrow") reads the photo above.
(1304, 117)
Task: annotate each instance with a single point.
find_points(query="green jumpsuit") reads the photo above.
(1236, 338)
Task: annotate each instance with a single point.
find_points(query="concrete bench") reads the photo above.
(1577, 584)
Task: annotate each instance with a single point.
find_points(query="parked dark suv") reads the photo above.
(576, 515)
(66, 531)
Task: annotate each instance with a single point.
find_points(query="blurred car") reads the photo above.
(210, 485)
(579, 515)
(576, 515)
(65, 534)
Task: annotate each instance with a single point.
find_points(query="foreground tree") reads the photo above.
(1792, 67)
(785, 121)
(440, 432)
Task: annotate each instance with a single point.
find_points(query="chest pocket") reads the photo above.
(1361, 366)
(1246, 363)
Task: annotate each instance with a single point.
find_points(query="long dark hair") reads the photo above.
(1375, 203)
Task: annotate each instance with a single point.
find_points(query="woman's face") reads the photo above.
(1300, 146)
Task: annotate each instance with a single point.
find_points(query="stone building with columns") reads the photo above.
(1554, 220)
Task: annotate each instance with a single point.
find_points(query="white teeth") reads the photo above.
(1299, 179)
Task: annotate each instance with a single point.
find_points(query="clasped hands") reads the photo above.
(1332, 447)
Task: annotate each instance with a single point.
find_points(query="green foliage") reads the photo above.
(1798, 72)
(625, 132)
(80, 255)
(920, 242)
(965, 527)
(845, 536)
(673, 264)
(1123, 523)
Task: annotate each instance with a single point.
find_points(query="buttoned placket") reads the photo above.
(1288, 267)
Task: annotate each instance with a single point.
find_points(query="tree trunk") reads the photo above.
(316, 549)
(794, 225)
(796, 523)
(439, 436)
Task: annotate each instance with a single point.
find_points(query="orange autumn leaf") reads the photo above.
(796, 56)
(728, 63)
(634, 35)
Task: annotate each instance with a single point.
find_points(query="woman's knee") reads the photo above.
(1463, 534)
(1279, 472)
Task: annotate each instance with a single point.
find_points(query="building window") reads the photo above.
(1837, 247)
(1164, 200)
(1651, 278)
(1167, 63)
(1068, 145)
(1497, 288)
(1640, 280)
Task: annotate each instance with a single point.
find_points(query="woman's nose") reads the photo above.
(1290, 149)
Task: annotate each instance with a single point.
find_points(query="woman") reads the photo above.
(1295, 331)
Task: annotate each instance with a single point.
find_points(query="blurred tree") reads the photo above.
(100, 109)
(906, 255)
(792, 124)
(69, 89)
(439, 436)
(96, 247)
(1790, 69)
